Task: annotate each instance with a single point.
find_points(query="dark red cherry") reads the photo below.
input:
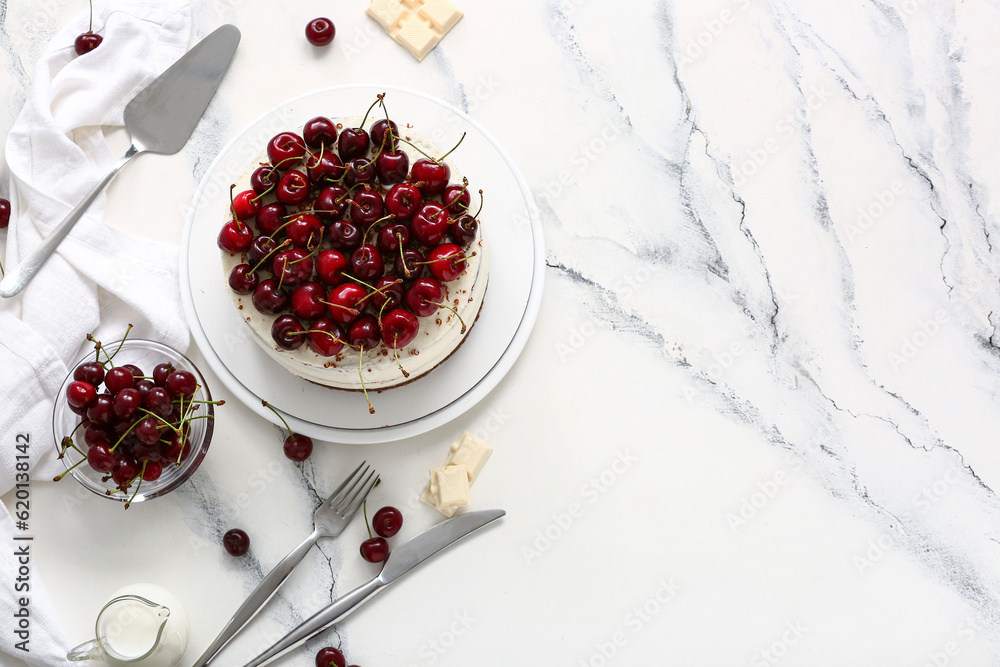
(285, 149)
(297, 447)
(181, 384)
(388, 294)
(391, 236)
(235, 236)
(384, 133)
(430, 176)
(270, 218)
(325, 168)
(4, 213)
(430, 223)
(307, 301)
(331, 203)
(320, 31)
(118, 378)
(319, 132)
(90, 371)
(446, 262)
(375, 550)
(403, 200)
(158, 401)
(284, 332)
(325, 337)
(366, 263)
(242, 279)
(330, 657)
(292, 267)
(366, 207)
(364, 332)
(387, 521)
(463, 231)
(236, 542)
(264, 178)
(423, 296)
(127, 402)
(305, 230)
(100, 410)
(353, 143)
(456, 199)
(100, 458)
(259, 249)
(409, 265)
(330, 265)
(125, 470)
(293, 188)
(359, 170)
(344, 235)
(80, 394)
(399, 328)
(87, 42)
(268, 299)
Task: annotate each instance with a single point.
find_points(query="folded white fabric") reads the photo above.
(99, 280)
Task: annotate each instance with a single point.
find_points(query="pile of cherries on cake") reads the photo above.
(346, 242)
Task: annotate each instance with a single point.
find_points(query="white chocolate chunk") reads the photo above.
(416, 24)
(450, 486)
(470, 451)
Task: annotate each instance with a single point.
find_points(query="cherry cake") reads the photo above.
(353, 251)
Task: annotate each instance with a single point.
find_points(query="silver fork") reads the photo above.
(329, 521)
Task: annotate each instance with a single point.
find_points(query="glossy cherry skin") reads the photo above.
(148, 430)
(264, 178)
(399, 328)
(284, 330)
(305, 230)
(456, 199)
(292, 267)
(151, 470)
(285, 149)
(403, 200)
(293, 188)
(236, 542)
(392, 167)
(100, 410)
(125, 470)
(4, 213)
(100, 458)
(90, 371)
(330, 265)
(393, 235)
(118, 378)
(430, 176)
(330, 657)
(127, 402)
(343, 300)
(325, 338)
(344, 235)
(270, 218)
(331, 203)
(364, 332)
(320, 31)
(387, 521)
(446, 262)
(235, 236)
(297, 447)
(242, 279)
(80, 394)
(409, 265)
(160, 373)
(463, 231)
(366, 207)
(259, 249)
(388, 294)
(384, 133)
(325, 168)
(423, 296)
(366, 263)
(246, 205)
(353, 143)
(375, 550)
(86, 42)
(319, 132)
(158, 401)
(268, 299)
(430, 223)
(181, 384)
(307, 301)
(359, 170)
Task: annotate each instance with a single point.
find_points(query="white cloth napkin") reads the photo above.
(99, 280)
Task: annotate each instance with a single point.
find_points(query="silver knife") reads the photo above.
(400, 561)
(160, 119)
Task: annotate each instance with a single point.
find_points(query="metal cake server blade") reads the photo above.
(401, 560)
(160, 119)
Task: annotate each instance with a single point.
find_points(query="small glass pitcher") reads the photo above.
(133, 630)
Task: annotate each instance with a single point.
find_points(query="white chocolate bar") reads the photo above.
(416, 24)
(468, 454)
(450, 486)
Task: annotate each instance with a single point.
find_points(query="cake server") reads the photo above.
(400, 561)
(160, 119)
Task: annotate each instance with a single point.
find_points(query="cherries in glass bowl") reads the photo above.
(133, 420)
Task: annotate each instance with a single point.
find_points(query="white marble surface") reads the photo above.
(757, 421)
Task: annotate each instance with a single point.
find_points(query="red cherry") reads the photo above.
(151, 471)
(270, 218)
(87, 42)
(387, 521)
(399, 328)
(423, 296)
(456, 199)
(343, 300)
(268, 299)
(305, 230)
(330, 265)
(286, 330)
(264, 178)
(403, 200)
(430, 176)
(330, 657)
(181, 384)
(364, 332)
(384, 133)
(463, 230)
(320, 32)
(446, 262)
(292, 267)
(235, 236)
(390, 237)
(259, 249)
(319, 131)
(246, 205)
(160, 373)
(125, 470)
(388, 294)
(307, 301)
(367, 206)
(430, 223)
(293, 188)
(325, 338)
(326, 168)
(366, 263)
(297, 447)
(410, 264)
(375, 550)
(80, 394)
(4, 213)
(242, 279)
(331, 203)
(118, 378)
(100, 411)
(353, 142)
(359, 170)
(91, 372)
(285, 149)
(100, 458)
(127, 402)
(236, 542)
(344, 235)
(158, 401)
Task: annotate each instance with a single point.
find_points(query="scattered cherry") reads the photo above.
(330, 657)
(89, 40)
(320, 32)
(236, 542)
(296, 446)
(387, 521)
(375, 549)
(4, 213)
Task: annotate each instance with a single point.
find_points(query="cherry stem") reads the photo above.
(371, 410)
(480, 204)
(364, 508)
(395, 353)
(137, 486)
(460, 140)
(90, 26)
(63, 474)
(444, 305)
(379, 99)
(271, 408)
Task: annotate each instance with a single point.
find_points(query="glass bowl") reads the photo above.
(146, 354)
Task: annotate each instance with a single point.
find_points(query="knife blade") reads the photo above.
(401, 560)
(160, 119)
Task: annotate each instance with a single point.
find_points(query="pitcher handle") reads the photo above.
(87, 651)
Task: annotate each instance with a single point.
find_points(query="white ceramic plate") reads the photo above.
(517, 257)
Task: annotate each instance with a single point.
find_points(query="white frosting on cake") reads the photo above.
(439, 335)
